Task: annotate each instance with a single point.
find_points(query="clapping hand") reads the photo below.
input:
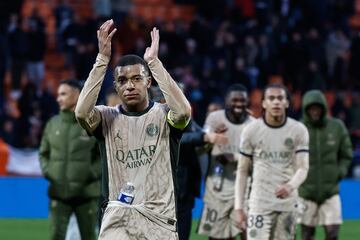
(104, 37)
(152, 51)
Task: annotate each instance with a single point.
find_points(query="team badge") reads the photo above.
(152, 130)
(253, 233)
(207, 227)
(289, 143)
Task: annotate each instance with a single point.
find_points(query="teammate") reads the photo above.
(276, 147)
(140, 139)
(330, 158)
(217, 220)
(70, 161)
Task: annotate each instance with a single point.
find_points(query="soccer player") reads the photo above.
(140, 140)
(217, 220)
(70, 161)
(330, 158)
(276, 148)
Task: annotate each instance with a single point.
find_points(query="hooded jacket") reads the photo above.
(330, 151)
(69, 159)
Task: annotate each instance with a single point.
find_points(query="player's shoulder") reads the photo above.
(217, 114)
(108, 112)
(250, 119)
(103, 108)
(253, 124)
(296, 124)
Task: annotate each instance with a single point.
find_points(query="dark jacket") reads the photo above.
(330, 152)
(189, 173)
(69, 159)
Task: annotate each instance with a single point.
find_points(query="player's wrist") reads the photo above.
(103, 57)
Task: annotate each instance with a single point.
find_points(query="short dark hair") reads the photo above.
(72, 83)
(277, 85)
(236, 88)
(132, 59)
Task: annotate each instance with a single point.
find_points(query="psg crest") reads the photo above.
(152, 130)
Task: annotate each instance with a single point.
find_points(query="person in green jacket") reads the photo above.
(70, 161)
(330, 158)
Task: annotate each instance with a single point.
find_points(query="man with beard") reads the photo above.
(276, 148)
(217, 220)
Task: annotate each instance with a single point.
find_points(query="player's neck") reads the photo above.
(274, 121)
(235, 119)
(136, 108)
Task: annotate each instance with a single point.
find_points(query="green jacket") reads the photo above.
(330, 152)
(69, 159)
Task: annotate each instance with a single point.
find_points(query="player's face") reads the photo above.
(275, 102)
(315, 112)
(67, 97)
(237, 102)
(131, 83)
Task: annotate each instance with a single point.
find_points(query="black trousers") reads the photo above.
(184, 214)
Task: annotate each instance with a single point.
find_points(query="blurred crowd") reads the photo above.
(302, 43)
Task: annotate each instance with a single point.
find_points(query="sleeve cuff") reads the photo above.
(302, 150)
(246, 154)
(154, 62)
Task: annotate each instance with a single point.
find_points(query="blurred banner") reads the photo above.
(23, 162)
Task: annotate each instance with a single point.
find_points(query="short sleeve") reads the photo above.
(246, 146)
(302, 139)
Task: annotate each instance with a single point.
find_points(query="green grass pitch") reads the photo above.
(38, 229)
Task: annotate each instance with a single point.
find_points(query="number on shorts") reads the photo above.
(255, 220)
(259, 221)
(211, 215)
(250, 223)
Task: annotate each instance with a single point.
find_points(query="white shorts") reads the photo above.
(271, 225)
(328, 213)
(218, 220)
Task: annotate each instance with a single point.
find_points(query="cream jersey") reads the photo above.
(141, 148)
(273, 151)
(230, 150)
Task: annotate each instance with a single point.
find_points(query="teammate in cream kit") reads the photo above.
(139, 142)
(276, 148)
(217, 220)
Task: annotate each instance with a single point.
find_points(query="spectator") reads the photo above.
(37, 45)
(19, 48)
(329, 163)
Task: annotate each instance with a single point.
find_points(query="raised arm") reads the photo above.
(86, 113)
(180, 109)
